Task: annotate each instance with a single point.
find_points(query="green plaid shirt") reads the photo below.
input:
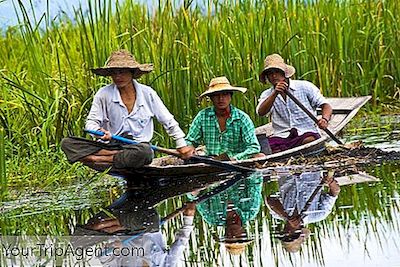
(238, 141)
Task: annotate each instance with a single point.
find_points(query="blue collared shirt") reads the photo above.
(286, 115)
(108, 111)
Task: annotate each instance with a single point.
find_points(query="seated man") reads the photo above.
(125, 108)
(292, 126)
(225, 130)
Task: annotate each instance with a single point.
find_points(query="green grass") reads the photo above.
(347, 48)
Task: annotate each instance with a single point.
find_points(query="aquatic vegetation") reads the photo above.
(46, 86)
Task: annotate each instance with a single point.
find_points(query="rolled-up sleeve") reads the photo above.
(167, 120)
(264, 95)
(314, 95)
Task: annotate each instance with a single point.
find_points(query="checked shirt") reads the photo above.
(286, 115)
(238, 140)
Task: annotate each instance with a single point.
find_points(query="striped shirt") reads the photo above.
(286, 115)
(238, 140)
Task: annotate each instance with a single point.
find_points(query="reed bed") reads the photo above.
(347, 48)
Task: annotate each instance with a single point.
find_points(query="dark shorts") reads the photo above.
(293, 140)
(131, 156)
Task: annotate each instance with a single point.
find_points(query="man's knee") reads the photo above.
(65, 142)
(308, 139)
(134, 156)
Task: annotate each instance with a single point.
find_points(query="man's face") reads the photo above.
(121, 77)
(275, 75)
(221, 100)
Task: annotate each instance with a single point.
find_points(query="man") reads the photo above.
(292, 126)
(226, 131)
(125, 108)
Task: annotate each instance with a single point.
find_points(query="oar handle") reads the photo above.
(331, 135)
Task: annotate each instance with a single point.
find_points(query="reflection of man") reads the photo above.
(232, 209)
(137, 223)
(152, 245)
(301, 202)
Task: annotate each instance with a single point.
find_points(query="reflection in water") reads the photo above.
(302, 201)
(133, 224)
(232, 209)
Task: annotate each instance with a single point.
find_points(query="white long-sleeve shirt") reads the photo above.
(108, 111)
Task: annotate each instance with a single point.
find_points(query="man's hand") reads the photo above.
(186, 151)
(108, 225)
(190, 209)
(323, 123)
(334, 188)
(107, 135)
(281, 87)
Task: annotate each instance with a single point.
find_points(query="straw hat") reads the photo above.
(294, 245)
(235, 248)
(122, 59)
(221, 84)
(275, 61)
(235, 245)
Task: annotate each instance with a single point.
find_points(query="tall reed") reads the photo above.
(347, 48)
(3, 176)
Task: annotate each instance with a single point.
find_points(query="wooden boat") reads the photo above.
(344, 109)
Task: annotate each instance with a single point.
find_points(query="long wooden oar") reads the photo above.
(210, 161)
(295, 100)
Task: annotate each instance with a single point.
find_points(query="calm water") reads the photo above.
(246, 216)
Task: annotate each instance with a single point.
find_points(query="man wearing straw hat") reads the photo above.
(292, 126)
(226, 131)
(126, 108)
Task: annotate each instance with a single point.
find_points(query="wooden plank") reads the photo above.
(357, 178)
(347, 103)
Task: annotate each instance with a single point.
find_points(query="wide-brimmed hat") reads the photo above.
(235, 245)
(221, 84)
(295, 244)
(275, 61)
(122, 59)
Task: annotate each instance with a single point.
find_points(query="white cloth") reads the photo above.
(154, 248)
(286, 115)
(295, 191)
(109, 112)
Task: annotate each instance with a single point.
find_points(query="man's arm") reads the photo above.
(168, 121)
(195, 135)
(326, 116)
(249, 138)
(182, 236)
(266, 105)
